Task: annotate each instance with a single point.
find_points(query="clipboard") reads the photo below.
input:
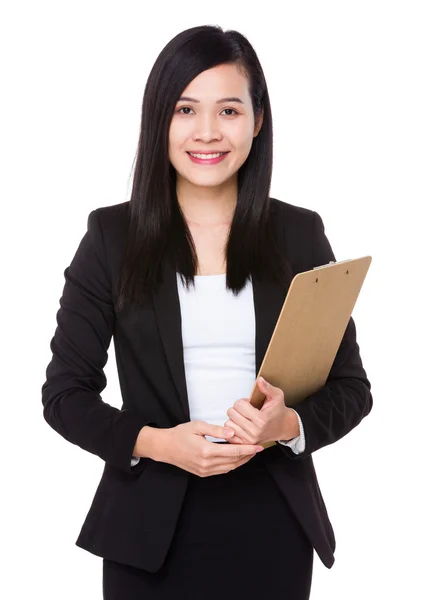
(309, 330)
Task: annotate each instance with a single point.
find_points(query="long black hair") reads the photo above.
(157, 227)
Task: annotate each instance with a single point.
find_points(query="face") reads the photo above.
(205, 123)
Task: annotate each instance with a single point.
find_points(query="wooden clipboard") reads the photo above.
(309, 330)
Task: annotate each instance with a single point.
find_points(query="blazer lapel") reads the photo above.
(268, 301)
(166, 304)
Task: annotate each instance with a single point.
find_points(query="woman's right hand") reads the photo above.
(185, 446)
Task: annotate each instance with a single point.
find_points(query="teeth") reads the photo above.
(207, 156)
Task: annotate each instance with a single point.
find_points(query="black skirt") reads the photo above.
(236, 537)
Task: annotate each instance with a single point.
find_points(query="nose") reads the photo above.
(207, 129)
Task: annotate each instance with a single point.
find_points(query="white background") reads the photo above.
(344, 84)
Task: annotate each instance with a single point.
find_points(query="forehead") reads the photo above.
(221, 81)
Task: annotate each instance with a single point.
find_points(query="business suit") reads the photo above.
(135, 509)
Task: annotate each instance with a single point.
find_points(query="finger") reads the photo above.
(240, 434)
(245, 408)
(237, 440)
(238, 451)
(232, 465)
(204, 428)
(244, 449)
(236, 419)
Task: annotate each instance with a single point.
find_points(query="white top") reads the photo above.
(218, 332)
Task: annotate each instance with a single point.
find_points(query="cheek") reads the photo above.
(241, 139)
(242, 150)
(175, 137)
(176, 143)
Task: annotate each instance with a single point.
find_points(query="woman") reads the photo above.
(188, 278)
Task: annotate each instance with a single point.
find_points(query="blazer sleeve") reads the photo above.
(345, 399)
(71, 394)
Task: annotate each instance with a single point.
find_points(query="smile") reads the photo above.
(207, 159)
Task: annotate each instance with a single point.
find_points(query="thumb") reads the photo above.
(271, 392)
(264, 385)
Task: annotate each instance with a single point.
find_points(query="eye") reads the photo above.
(184, 108)
(188, 108)
(233, 110)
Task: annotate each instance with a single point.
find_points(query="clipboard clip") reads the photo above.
(331, 262)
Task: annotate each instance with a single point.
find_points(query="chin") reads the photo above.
(208, 181)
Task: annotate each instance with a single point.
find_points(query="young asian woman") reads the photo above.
(188, 278)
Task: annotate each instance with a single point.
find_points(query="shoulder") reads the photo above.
(110, 222)
(302, 232)
(107, 230)
(295, 222)
(291, 212)
(115, 213)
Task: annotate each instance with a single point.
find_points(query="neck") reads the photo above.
(207, 206)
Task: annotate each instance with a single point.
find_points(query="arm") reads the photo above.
(345, 399)
(75, 377)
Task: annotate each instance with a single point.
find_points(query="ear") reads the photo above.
(259, 124)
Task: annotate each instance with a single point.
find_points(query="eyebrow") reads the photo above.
(221, 101)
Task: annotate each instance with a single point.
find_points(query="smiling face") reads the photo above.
(216, 115)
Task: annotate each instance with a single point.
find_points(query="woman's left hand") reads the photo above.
(274, 421)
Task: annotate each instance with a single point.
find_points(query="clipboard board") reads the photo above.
(309, 330)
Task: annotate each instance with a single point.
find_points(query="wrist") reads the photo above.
(291, 426)
(150, 443)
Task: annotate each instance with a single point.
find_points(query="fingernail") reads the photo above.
(228, 431)
(259, 449)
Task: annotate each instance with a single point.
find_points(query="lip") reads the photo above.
(207, 151)
(207, 161)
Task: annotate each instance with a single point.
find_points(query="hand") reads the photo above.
(186, 447)
(274, 421)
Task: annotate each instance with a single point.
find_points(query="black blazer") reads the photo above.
(135, 509)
